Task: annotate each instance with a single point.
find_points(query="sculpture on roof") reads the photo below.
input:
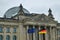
(50, 13)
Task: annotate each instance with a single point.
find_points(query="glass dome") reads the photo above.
(13, 11)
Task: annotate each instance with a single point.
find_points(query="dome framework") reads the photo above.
(13, 11)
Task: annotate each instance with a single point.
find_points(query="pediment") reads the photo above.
(40, 18)
(43, 18)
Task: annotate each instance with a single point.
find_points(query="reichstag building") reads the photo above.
(17, 22)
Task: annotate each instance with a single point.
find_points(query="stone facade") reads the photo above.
(23, 21)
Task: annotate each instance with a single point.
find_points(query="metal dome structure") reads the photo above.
(13, 11)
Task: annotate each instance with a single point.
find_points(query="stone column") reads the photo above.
(40, 34)
(11, 30)
(21, 30)
(4, 34)
(51, 33)
(30, 34)
(34, 33)
(46, 35)
(57, 34)
(27, 33)
(54, 33)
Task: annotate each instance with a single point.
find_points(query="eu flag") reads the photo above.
(32, 30)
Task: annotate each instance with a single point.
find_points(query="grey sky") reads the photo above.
(34, 6)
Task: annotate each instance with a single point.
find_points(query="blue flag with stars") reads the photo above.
(32, 30)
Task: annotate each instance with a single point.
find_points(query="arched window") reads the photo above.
(1, 29)
(1, 37)
(7, 37)
(14, 29)
(8, 29)
(14, 37)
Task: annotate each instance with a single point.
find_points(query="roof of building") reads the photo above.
(17, 11)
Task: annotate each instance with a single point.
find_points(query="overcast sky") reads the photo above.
(34, 6)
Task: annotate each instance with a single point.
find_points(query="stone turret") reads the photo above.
(50, 13)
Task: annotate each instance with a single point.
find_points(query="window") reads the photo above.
(1, 37)
(8, 29)
(7, 37)
(58, 31)
(14, 29)
(14, 37)
(1, 30)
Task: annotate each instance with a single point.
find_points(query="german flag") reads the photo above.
(43, 31)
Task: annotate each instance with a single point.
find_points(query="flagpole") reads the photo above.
(43, 36)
